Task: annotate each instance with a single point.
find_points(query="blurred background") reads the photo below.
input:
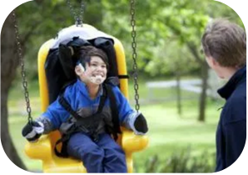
(177, 90)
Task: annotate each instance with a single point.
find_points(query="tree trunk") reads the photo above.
(9, 63)
(179, 101)
(204, 77)
(203, 96)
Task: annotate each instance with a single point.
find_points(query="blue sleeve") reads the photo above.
(56, 113)
(123, 105)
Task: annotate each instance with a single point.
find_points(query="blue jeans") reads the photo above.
(103, 156)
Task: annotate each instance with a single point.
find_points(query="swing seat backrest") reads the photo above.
(43, 149)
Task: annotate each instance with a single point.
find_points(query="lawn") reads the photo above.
(168, 132)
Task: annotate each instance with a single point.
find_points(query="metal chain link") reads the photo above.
(78, 17)
(23, 72)
(134, 55)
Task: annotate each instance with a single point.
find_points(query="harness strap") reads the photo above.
(67, 106)
(65, 137)
(63, 152)
(123, 76)
(102, 101)
(115, 115)
(107, 92)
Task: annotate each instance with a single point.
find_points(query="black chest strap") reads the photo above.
(107, 92)
(68, 107)
(66, 137)
(114, 112)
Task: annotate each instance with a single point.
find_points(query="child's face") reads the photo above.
(96, 70)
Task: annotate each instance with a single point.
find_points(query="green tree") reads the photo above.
(168, 33)
(9, 62)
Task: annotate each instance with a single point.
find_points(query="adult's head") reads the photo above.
(224, 45)
(92, 65)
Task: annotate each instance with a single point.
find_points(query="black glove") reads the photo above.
(140, 124)
(32, 131)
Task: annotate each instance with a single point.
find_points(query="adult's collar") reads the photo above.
(230, 86)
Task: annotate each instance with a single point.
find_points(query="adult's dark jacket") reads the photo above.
(231, 131)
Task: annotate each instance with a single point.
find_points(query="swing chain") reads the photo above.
(78, 17)
(134, 54)
(23, 72)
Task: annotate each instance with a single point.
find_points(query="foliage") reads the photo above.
(163, 28)
(182, 161)
(166, 30)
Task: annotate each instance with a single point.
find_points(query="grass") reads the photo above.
(168, 132)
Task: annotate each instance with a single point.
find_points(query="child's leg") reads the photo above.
(114, 160)
(80, 146)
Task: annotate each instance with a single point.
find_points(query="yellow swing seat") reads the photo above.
(43, 149)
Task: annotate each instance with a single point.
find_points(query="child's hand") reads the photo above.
(140, 125)
(137, 123)
(32, 131)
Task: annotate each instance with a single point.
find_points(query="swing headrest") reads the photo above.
(60, 64)
(86, 32)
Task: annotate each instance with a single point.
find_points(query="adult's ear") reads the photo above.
(214, 62)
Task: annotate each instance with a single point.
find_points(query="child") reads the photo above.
(90, 141)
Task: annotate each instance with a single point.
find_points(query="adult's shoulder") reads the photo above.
(235, 109)
(238, 98)
(240, 90)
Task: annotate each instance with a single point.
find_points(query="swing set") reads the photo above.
(43, 149)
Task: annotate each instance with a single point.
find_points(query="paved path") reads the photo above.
(193, 85)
